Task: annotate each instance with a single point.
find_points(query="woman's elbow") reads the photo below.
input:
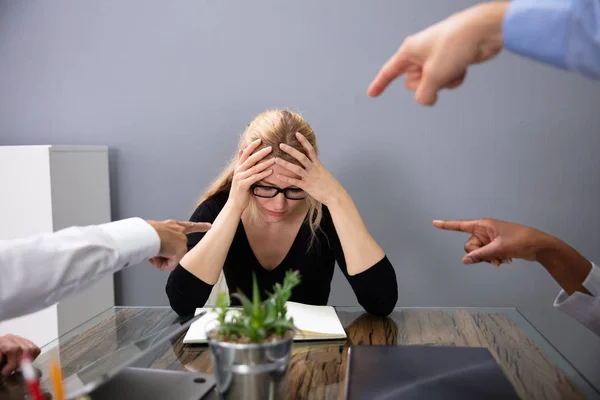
(385, 302)
(384, 307)
(388, 298)
(179, 303)
(182, 310)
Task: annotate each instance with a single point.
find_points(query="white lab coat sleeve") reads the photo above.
(585, 308)
(38, 271)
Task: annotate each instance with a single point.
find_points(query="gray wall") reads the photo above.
(169, 86)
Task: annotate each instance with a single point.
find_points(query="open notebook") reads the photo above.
(312, 323)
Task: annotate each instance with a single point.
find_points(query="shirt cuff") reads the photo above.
(538, 30)
(135, 239)
(591, 283)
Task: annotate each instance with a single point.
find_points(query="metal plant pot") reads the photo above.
(251, 371)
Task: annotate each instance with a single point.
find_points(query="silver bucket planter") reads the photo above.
(251, 371)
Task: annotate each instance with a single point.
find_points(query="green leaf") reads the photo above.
(258, 320)
(255, 296)
(270, 312)
(246, 303)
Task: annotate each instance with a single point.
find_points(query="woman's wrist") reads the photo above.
(338, 198)
(233, 209)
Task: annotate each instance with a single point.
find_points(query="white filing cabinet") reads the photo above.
(45, 189)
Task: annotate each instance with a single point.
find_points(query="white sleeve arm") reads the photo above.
(39, 271)
(585, 308)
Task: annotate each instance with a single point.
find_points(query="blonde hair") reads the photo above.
(273, 127)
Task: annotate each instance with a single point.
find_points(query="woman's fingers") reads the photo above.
(305, 161)
(291, 181)
(261, 166)
(298, 170)
(248, 150)
(254, 158)
(312, 154)
(251, 180)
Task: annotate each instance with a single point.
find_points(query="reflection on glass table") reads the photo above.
(317, 370)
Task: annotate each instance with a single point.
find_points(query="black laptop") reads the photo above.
(424, 372)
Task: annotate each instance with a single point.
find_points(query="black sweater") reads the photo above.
(376, 288)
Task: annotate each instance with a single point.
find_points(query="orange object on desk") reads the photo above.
(57, 383)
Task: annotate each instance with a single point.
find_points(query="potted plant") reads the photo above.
(251, 346)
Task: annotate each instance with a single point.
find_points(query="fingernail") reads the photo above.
(298, 134)
(468, 261)
(257, 140)
(268, 148)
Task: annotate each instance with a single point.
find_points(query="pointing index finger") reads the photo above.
(393, 68)
(194, 227)
(466, 226)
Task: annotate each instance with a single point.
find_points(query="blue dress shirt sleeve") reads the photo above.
(562, 33)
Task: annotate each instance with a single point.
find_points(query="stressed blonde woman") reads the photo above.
(276, 208)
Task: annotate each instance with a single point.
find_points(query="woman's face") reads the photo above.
(278, 208)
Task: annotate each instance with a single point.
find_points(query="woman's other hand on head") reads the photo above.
(249, 169)
(311, 175)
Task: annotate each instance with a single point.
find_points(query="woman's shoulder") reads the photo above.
(210, 207)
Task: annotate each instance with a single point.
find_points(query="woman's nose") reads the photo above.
(280, 200)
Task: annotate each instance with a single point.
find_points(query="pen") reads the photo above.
(33, 383)
(56, 375)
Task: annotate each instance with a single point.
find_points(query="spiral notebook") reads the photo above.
(312, 323)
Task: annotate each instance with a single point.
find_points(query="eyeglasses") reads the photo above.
(272, 191)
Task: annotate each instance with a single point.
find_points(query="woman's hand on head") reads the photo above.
(312, 176)
(249, 169)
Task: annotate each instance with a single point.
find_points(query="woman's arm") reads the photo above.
(190, 284)
(360, 249)
(205, 260)
(185, 290)
(376, 287)
(359, 246)
(359, 256)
